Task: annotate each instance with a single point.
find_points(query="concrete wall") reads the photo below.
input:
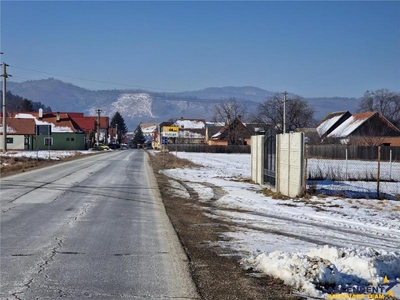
(257, 158)
(290, 164)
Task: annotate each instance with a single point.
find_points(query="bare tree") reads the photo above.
(229, 110)
(385, 102)
(298, 113)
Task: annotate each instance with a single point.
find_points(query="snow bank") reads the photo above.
(326, 267)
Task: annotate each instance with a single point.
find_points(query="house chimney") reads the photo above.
(40, 113)
(58, 116)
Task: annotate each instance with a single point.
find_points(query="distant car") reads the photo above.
(114, 146)
(147, 145)
(101, 146)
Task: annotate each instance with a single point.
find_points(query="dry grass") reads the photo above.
(170, 161)
(10, 165)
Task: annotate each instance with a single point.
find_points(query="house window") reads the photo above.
(72, 139)
(67, 139)
(10, 140)
(48, 141)
(26, 140)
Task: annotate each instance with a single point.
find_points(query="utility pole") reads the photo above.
(98, 126)
(284, 111)
(5, 76)
(116, 133)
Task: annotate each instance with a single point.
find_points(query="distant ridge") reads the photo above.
(137, 105)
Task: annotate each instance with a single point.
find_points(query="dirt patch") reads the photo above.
(216, 271)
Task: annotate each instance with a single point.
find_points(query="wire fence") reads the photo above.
(354, 171)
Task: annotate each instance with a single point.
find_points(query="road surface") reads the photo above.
(93, 228)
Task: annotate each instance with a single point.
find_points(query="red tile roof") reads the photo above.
(19, 126)
(62, 124)
(85, 123)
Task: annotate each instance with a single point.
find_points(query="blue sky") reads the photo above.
(313, 49)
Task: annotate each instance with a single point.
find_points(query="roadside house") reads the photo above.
(87, 125)
(102, 126)
(233, 133)
(149, 132)
(157, 140)
(20, 133)
(213, 128)
(191, 131)
(331, 122)
(65, 134)
(368, 129)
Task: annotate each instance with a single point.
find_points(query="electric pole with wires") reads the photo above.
(5, 76)
(98, 127)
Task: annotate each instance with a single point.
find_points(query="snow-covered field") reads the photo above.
(349, 177)
(311, 244)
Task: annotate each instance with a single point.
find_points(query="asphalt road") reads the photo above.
(93, 228)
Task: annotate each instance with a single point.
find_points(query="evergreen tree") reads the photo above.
(27, 105)
(17, 103)
(117, 121)
(139, 137)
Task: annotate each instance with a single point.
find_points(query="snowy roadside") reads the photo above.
(45, 154)
(311, 244)
(13, 162)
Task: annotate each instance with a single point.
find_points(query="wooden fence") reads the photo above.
(353, 152)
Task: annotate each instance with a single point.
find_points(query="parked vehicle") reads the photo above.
(101, 146)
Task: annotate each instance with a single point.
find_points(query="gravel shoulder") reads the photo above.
(217, 272)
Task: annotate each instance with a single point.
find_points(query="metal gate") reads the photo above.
(270, 158)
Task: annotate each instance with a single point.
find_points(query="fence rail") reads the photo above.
(372, 172)
(209, 148)
(353, 152)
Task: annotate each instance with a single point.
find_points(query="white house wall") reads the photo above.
(18, 142)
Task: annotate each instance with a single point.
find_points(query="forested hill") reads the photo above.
(146, 106)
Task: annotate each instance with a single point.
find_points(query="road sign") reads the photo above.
(164, 140)
(170, 129)
(170, 134)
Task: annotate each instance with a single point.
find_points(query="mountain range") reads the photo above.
(137, 106)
